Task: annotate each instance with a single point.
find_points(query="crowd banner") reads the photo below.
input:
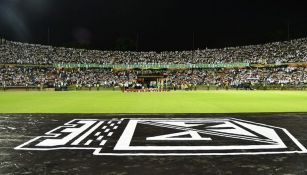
(152, 66)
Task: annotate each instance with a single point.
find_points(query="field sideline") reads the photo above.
(164, 102)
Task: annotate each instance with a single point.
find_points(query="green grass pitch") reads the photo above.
(157, 102)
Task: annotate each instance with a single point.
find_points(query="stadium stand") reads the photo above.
(272, 53)
(278, 65)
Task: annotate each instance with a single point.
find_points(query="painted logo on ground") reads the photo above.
(205, 136)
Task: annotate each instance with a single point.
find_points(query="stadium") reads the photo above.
(36, 71)
(238, 109)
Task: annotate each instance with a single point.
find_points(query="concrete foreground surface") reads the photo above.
(254, 143)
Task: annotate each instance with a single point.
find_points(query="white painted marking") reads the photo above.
(104, 127)
(112, 124)
(267, 132)
(99, 138)
(234, 129)
(110, 134)
(103, 142)
(97, 133)
(88, 142)
(209, 132)
(97, 150)
(76, 142)
(74, 132)
(295, 141)
(181, 123)
(193, 136)
(115, 127)
(107, 130)
(109, 121)
(125, 139)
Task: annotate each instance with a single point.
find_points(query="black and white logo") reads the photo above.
(205, 136)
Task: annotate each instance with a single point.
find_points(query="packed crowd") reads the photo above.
(22, 55)
(51, 77)
(271, 53)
